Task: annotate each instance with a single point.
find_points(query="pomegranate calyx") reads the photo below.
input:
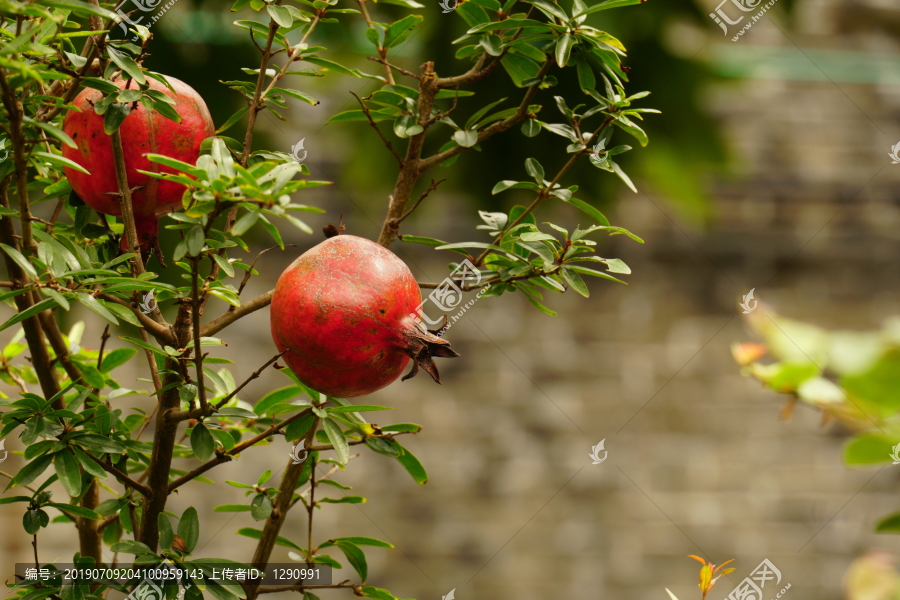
(423, 345)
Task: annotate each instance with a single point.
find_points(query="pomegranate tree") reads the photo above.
(143, 132)
(343, 311)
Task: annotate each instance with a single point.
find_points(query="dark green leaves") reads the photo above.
(398, 32)
(564, 49)
(202, 442)
(189, 529)
(127, 64)
(68, 472)
(411, 464)
(355, 556)
(337, 439)
(261, 507)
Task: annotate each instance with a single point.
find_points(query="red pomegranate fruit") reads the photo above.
(142, 132)
(345, 313)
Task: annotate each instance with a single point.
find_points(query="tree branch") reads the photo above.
(122, 477)
(368, 114)
(220, 323)
(226, 456)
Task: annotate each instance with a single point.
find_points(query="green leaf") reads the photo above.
(337, 439)
(564, 49)
(607, 4)
(623, 176)
(114, 116)
(56, 132)
(411, 464)
(280, 15)
(257, 534)
(99, 444)
(81, 7)
(19, 259)
(889, 524)
(189, 528)
(94, 305)
(68, 472)
(355, 556)
(508, 184)
(78, 511)
(575, 281)
(867, 449)
(116, 358)
(261, 507)
(33, 310)
(233, 119)
(359, 541)
(588, 210)
(30, 471)
(127, 64)
(147, 346)
(131, 547)
(534, 169)
(357, 408)
(398, 32)
(166, 533)
(202, 442)
(466, 138)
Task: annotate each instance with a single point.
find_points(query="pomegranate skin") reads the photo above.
(343, 311)
(142, 132)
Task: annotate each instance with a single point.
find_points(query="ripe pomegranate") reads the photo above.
(344, 313)
(142, 132)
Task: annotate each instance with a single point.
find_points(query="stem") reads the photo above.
(15, 112)
(122, 477)
(381, 51)
(310, 509)
(410, 172)
(254, 105)
(89, 538)
(131, 235)
(195, 314)
(545, 193)
(220, 323)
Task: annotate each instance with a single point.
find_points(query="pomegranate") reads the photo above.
(344, 311)
(142, 132)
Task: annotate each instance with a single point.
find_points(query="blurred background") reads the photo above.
(767, 169)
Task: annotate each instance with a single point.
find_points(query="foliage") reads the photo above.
(853, 377)
(79, 423)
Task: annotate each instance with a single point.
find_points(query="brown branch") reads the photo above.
(410, 171)
(16, 113)
(226, 456)
(125, 205)
(395, 67)
(430, 189)
(389, 77)
(494, 128)
(199, 413)
(255, 106)
(198, 349)
(299, 587)
(162, 333)
(368, 114)
(220, 323)
(55, 337)
(387, 436)
(122, 477)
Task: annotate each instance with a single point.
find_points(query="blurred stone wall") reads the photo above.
(699, 461)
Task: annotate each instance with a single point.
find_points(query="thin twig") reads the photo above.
(249, 272)
(430, 189)
(195, 315)
(226, 456)
(231, 316)
(387, 143)
(395, 67)
(122, 477)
